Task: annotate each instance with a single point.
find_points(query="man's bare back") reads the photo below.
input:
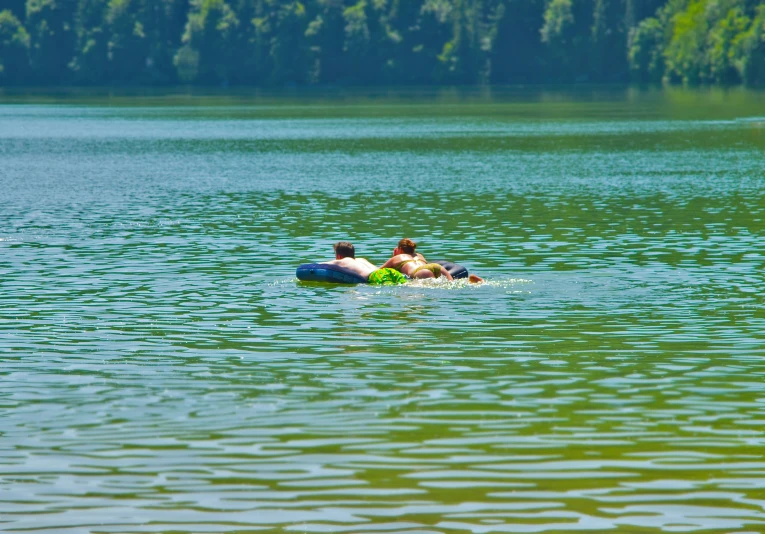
(360, 266)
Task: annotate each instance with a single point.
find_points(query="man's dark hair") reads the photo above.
(344, 249)
(407, 246)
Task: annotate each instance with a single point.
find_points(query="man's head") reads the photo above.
(344, 249)
(406, 246)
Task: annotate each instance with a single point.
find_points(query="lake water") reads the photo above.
(162, 369)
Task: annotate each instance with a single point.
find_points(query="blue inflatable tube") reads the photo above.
(328, 272)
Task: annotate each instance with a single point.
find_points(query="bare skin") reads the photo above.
(359, 266)
(419, 259)
(412, 263)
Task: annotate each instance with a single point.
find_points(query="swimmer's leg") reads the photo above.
(475, 279)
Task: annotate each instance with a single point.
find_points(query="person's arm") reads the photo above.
(390, 263)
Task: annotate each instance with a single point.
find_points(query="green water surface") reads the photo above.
(162, 369)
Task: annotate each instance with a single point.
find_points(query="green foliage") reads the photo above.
(685, 54)
(208, 43)
(357, 46)
(567, 34)
(372, 42)
(90, 62)
(559, 22)
(558, 33)
(747, 51)
(419, 35)
(715, 41)
(129, 46)
(14, 47)
(288, 51)
(518, 54)
(646, 58)
(325, 37)
(721, 54)
(609, 41)
(187, 63)
(52, 38)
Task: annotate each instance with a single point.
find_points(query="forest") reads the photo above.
(380, 42)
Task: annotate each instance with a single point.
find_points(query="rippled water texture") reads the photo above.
(163, 370)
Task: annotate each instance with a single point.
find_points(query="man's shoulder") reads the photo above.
(345, 261)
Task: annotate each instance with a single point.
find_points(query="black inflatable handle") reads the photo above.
(457, 271)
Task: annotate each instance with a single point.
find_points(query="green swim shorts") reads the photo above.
(386, 277)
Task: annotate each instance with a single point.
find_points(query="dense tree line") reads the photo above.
(370, 42)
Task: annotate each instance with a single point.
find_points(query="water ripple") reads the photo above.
(163, 370)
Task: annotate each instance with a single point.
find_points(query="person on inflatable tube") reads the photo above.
(408, 262)
(345, 256)
(414, 265)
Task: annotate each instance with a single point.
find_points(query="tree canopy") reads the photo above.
(373, 42)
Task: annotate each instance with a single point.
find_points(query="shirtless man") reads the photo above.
(345, 256)
(414, 265)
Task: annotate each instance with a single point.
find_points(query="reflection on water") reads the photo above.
(163, 370)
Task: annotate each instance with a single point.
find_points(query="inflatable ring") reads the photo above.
(328, 272)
